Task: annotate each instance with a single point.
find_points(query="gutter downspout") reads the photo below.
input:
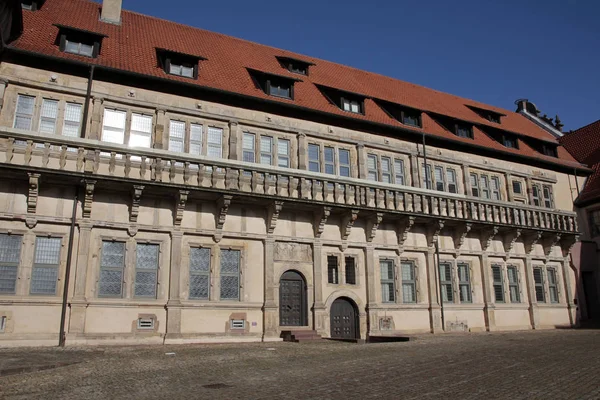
(63, 311)
(86, 108)
(577, 182)
(437, 253)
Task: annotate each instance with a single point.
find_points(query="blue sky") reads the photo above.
(494, 51)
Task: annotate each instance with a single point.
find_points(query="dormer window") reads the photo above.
(509, 141)
(346, 101)
(463, 130)
(350, 105)
(294, 65)
(407, 116)
(274, 85)
(79, 42)
(32, 5)
(490, 115)
(178, 64)
(549, 150)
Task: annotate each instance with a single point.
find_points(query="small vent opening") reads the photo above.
(238, 324)
(145, 323)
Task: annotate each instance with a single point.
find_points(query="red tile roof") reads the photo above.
(584, 145)
(132, 45)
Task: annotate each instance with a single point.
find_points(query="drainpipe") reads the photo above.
(437, 253)
(86, 107)
(576, 182)
(425, 161)
(63, 311)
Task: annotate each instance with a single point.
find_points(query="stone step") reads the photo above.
(300, 336)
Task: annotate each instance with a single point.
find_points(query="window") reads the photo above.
(2, 323)
(294, 65)
(329, 160)
(199, 273)
(464, 131)
(344, 161)
(248, 147)
(48, 116)
(409, 282)
(548, 197)
(31, 5)
(10, 254)
(427, 177)
(24, 112)
(474, 185)
(538, 279)
(517, 187)
(332, 270)
(510, 142)
(595, 223)
(45, 265)
(178, 64)
(283, 153)
(230, 274)
(280, 88)
(411, 117)
(72, 120)
(446, 282)
(386, 170)
(215, 142)
(146, 270)
(464, 283)
(372, 174)
(177, 136)
(535, 193)
(513, 284)
(491, 116)
(435, 180)
(388, 287)
(350, 270)
(184, 69)
(439, 178)
(451, 178)
(75, 47)
(314, 159)
(266, 150)
(79, 42)
(496, 188)
(405, 115)
(113, 128)
(552, 285)
(353, 106)
(549, 150)
(484, 186)
(140, 134)
(112, 263)
(498, 283)
(542, 195)
(399, 171)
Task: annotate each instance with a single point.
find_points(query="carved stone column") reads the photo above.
(302, 151)
(81, 259)
(234, 139)
(95, 131)
(362, 161)
(160, 139)
(3, 85)
(533, 307)
(467, 178)
(174, 302)
(509, 192)
(414, 170)
(270, 308)
(489, 309)
(572, 308)
(435, 313)
(319, 311)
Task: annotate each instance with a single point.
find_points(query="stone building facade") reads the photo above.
(171, 213)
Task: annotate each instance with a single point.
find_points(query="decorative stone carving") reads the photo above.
(32, 196)
(434, 232)
(510, 239)
(88, 198)
(404, 227)
(460, 234)
(487, 236)
(136, 196)
(223, 204)
(530, 240)
(273, 215)
(287, 251)
(374, 222)
(320, 220)
(550, 242)
(348, 223)
(182, 198)
(567, 243)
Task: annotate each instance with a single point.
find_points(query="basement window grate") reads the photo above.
(238, 324)
(145, 323)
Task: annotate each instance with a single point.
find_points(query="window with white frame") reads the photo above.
(495, 188)
(248, 147)
(464, 282)
(271, 150)
(140, 134)
(24, 112)
(595, 223)
(538, 279)
(552, 285)
(350, 270)
(283, 153)
(442, 178)
(230, 274)
(388, 285)
(332, 270)
(185, 137)
(385, 169)
(344, 162)
(48, 116)
(199, 282)
(498, 283)
(329, 159)
(446, 282)
(409, 282)
(485, 187)
(80, 48)
(177, 136)
(372, 169)
(314, 157)
(113, 126)
(112, 265)
(72, 120)
(351, 106)
(146, 270)
(451, 180)
(427, 177)
(266, 150)
(214, 142)
(399, 171)
(513, 284)
(44, 274)
(10, 255)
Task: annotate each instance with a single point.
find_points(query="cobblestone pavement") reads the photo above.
(561, 364)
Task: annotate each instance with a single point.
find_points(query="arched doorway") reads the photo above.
(344, 319)
(292, 300)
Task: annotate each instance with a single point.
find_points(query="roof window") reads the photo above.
(32, 5)
(491, 116)
(79, 42)
(274, 85)
(407, 116)
(178, 64)
(294, 65)
(346, 101)
(459, 128)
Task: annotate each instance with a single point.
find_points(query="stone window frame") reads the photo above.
(275, 138)
(336, 148)
(216, 273)
(504, 267)
(432, 165)
(187, 275)
(340, 267)
(594, 227)
(39, 96)
(490, 176)
(404, 158)
(519, 197)
(541, 198)
(455, 280)
(129, 111)
(129, 269)
(546, 283)
(356, 270)
(20, 289)
(62, 266)
(394, 261)
(415, 265)
(205, 122)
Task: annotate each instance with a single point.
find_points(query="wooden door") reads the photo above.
(344, 320)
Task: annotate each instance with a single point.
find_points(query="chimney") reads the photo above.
(111, 11)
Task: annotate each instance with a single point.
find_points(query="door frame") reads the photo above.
(356, 317)
(295, 275)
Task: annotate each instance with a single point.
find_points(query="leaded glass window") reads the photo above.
(350, 271)
(199, 273)
(48, 116)
(498, 283)
(230, 274)
(344, 161)
(314, 159)
(332, 270)
(496, 188)
(266, 150)
(45, 265)
(329, 160)
(113, 126)
(72, 120)
(548, 197)
(112, 263)
(248, 151)
(388, 287)
(140, 134)
(177, 136)
(24, 112)
(283, 153)
(513, 284)
(446, 282)
(439, 178)
(427, 177)
(538, 279)
(10, 254)
(196, 139)
(399, 171)
(146, 270)
(372, 174)
(451, 180)
(386, 170)
(474, 185)
(215, 142)
(409, 283)
(484, 185)
(464, 283)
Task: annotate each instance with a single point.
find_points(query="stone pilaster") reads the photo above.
(529, 189)
(533, 307)
(3, 85)
(160, 138)
(362, 161)
(174, 301)
(467, 178)
(509, 192)
(435, 312)
(569, 294)
(234, 139)
(270, 308)
(302, 151)
(371, 286)
(81, 267)
(414, 170)
(319, 311)
(489, 309)
(96, 125)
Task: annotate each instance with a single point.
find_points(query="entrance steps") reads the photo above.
(300, 336)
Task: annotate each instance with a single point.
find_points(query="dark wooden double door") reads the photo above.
(292, 300)
(344, 320)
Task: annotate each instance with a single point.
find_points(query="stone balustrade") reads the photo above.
(98, 160)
